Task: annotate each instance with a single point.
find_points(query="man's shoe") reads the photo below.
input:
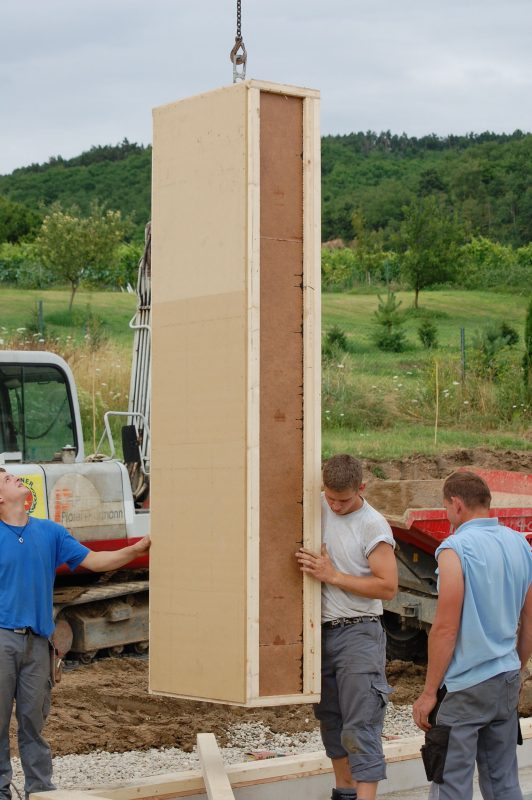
(344, 794)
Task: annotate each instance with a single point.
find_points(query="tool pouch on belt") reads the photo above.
(434, 752)
(56, 663)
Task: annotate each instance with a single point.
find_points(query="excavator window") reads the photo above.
(36, 417)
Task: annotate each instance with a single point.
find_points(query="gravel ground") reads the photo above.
(92, 769)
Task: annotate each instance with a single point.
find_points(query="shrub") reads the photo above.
(338, 268)
(428, 334)
(20, 266)
(488, 346)
(389, 335)
(334, 342)
(486, 264)
(509, 333)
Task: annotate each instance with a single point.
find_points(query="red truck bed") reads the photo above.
(414, 508)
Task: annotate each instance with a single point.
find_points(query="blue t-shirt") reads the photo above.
(27, 572)
(497, 567)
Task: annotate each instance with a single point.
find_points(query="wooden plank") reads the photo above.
(285, 89)
(66, 794)
(191, 782)
(212, 768)
(311, 386)
(253, 409)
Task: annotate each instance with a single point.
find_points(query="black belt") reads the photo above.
(341, 622)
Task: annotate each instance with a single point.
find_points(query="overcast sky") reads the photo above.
(77, 73)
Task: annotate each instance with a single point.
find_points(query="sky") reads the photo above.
(78, 73)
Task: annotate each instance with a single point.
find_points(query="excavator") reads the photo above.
(101, 499)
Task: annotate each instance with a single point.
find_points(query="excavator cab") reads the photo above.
(37, 410)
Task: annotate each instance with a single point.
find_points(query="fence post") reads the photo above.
(40, 317)
(462, 353)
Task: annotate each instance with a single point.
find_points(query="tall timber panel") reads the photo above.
(235, 431)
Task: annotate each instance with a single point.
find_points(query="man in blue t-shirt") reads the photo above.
(30, 551)
(468, 708)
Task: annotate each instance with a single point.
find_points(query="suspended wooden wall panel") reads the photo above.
(236, 387)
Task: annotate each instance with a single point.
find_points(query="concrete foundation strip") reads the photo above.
(256, 780)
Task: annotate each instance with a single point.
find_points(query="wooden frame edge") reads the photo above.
(284, 88)
(253, 389)
(312, 386)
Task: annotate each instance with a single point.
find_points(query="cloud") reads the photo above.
(79, 74)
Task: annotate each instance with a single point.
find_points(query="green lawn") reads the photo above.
(374, 378)
(404, 440)
(367, 383)
(114, 309)
(449, 310)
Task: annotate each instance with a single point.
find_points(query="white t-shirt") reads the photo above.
(350, 538)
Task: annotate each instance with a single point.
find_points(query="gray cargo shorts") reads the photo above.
(478, 723)
(354, 695)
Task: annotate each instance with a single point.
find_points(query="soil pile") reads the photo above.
(106, 706)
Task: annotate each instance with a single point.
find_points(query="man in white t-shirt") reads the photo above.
(357, 570)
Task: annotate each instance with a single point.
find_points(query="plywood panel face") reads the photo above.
(281, 400)
(198, 561)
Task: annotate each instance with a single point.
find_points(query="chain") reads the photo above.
(238, 54)
(239, 19)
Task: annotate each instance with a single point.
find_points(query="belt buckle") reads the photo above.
(21, 631)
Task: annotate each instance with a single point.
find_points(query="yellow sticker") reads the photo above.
(35, 501)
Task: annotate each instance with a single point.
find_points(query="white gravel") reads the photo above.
(100, 767)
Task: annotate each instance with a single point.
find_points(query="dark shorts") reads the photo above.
(354, 695)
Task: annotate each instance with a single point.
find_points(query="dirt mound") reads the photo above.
(419, 467)
(106, 706)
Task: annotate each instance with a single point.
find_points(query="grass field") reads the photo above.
(380, 405)
(448, 310)
(114, 309)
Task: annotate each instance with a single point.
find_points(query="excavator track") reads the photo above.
(107, 618)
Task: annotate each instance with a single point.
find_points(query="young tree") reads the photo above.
(388, 334)
(430, 236)
(79, 248)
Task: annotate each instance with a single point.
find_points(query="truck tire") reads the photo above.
(405, 645)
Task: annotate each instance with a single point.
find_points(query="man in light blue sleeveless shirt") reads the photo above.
(468, 708)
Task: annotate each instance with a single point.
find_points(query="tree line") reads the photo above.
(421, 210)
(485, 179)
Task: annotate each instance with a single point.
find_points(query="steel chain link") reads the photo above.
(238, 54)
